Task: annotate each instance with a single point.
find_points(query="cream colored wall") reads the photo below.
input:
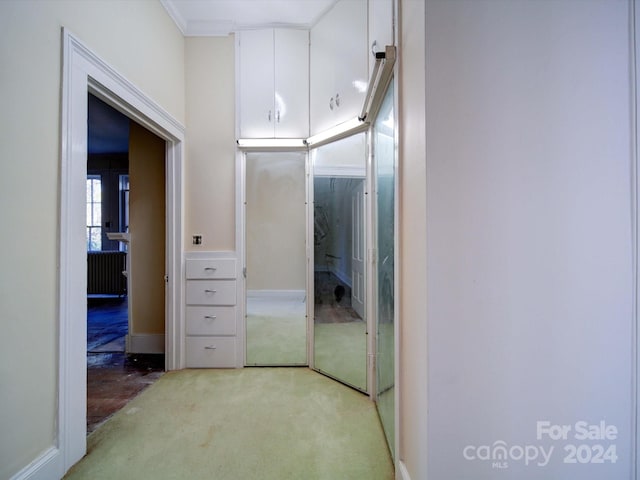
(412, 231)
(210, 139)
(139, 40)
(147, 227)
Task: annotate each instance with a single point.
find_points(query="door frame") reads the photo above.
(84, 72)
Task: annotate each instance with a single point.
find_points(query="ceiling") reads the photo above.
(108, 129)
(221, 17)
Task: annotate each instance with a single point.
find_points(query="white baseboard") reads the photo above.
(44, 467)
(402, 473)
(145, 343)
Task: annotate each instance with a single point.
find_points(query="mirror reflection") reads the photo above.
(384, 179)
(276, 325)
(340, 329)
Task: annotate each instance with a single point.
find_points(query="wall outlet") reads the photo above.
(197, 239)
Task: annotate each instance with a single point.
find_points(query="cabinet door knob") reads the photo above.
(337, 99)
(374, 48)
(269, 115)
(209, 291)
(331, 104)
(210, 347)
(278, 116)
(210, 269)
(210, 317)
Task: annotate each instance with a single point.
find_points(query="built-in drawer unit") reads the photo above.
(211, 352)
(211, 320)
(211, 312)
(211, 268)
(211, 292)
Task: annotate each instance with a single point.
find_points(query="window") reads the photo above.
(94, 212)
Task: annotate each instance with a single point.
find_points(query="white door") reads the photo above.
(357, 250)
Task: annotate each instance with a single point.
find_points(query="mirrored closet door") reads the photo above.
(339, 252)
(384, 168)
(276, 259)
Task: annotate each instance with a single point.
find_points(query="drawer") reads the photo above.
(211, 292)
(211, 320)
(211, 268)
(211, 352)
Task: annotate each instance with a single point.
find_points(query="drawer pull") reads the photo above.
(211, 317)
(210, 291)
(210, 269)
(210, 347)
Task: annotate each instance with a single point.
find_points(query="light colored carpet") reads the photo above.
(341, 351)
(244, 424)
(276, 331)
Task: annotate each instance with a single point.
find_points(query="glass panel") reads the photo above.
(97, 191)
(340, 329)
(89, 190)
(94, 212)
(95, 239)
(97, 215)
(276, 259)
(384, 155)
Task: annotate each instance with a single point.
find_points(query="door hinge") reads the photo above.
(166, 279)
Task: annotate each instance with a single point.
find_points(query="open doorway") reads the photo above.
(119, 303)
(83, 72)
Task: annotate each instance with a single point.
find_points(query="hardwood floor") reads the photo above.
(113, 377)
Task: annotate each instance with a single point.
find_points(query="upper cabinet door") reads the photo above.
(380, 28)
(291, 94)
(274, 83)
(256, 83)
(338, 65)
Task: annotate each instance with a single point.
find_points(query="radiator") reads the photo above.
(104, 273)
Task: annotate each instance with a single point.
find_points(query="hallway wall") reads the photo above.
(142, 42)
(529, 300)
(147, 227)
(210, 173)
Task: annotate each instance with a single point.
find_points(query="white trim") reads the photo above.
(310, 264)
(45, 467)
(401, 472)
(146, 343)
(241, 282)
(371, 274)
(82, 72)
(175, 15)
(635, 206)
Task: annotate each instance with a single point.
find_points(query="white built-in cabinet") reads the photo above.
(274, 83)
(211, 313)
(380, 28)
(338, 65)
